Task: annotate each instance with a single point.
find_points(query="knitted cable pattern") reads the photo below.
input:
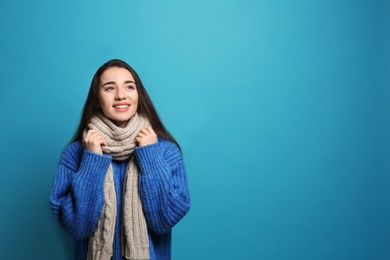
(134, 237)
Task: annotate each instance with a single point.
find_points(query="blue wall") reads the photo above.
(281, 107)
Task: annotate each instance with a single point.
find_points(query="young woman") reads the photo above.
(121, 183)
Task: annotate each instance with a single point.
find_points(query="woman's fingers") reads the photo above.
(147, 131)
(94, 141)
(146, 136)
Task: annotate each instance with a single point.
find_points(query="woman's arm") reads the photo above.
(77, 197)
(163, 185)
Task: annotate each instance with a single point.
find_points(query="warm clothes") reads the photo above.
(77, 196)
(121, 144)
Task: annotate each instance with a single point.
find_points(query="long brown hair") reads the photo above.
(145, 104)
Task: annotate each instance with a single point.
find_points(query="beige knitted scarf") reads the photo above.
(134, 237)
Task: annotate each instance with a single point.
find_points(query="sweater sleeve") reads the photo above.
(163, 185)
(77, 197)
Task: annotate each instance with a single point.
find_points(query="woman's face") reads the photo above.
(118, 95)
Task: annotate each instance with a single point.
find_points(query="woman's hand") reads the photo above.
(146, 136)
(94, 141)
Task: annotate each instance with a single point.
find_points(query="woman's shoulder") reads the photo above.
(168, 145)
(74, 147)
(171, 151)
(71, 156)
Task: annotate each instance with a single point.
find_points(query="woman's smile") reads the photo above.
(121, 107)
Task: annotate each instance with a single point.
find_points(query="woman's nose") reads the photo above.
(120, 94)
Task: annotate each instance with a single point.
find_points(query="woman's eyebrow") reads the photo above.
(108, 83)
(113, 82)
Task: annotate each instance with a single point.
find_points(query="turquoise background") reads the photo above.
(281, 108)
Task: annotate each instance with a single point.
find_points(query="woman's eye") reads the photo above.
(109, 88)
(130, 87)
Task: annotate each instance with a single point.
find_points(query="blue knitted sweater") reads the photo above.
(77, 195)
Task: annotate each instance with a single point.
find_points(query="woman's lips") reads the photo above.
(121, 107)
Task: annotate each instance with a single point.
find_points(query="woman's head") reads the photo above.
(95, 99)
(93, 102)
(118, 96)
